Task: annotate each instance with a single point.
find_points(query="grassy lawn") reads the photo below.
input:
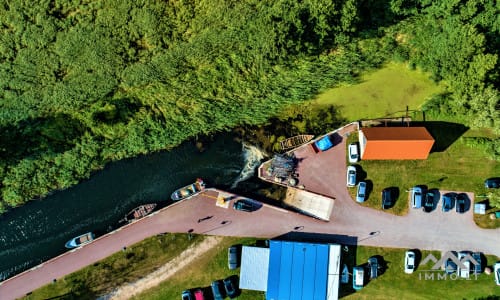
(117, 269)
(395, 284)
(382, 93)
(200, 274)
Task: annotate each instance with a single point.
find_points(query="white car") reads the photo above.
(463, 272)
(351, 176)
(409, 262)
(353, 152)
(496, 269)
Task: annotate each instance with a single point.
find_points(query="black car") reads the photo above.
(187, 295)
(386, 198)
(230, 288)
(492, 183)
(232, 257)
(428, 202)
(477, 267)
(460, 202)
(244, 205)
(450, 267)
(373, 267)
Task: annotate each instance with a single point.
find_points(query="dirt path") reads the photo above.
(185, 258)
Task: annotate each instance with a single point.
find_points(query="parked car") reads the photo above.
(428, 202)
(477, 267)
(416, 197)
(463, 272)
(492, 183)
(216, 290)
(351, 176)
(496, 269)
(373, 267)
(230, 288)
(244, 205)
(198, 295)
(448, 201)
(409, 262)
(353, 153)
(358, 278)
(187, 295)
(460, 202)
(386, 198)
(450, 267)
(232, 257)
(361, 192)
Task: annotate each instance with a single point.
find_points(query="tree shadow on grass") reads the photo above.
(444, 133)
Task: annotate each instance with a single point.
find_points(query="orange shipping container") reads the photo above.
(395, 143)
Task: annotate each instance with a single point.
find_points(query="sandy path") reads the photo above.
(163, 273)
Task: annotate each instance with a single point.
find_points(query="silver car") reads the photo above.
(361, 192)
(416, 197)
(351, 176)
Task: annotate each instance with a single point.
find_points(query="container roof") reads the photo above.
(397, 133)
(396, 143)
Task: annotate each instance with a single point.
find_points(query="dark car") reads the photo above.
(450, 267)
(244, 205)
(477, 267)
(460, 202)
(230, 288)
(232, 257)
(492, 183)
(373, 267)
(428, 202)
(448, 200)
(217, 290)
(386, 198)
(187, 295)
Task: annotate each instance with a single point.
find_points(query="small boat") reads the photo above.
(138, 212)
(80, 240)
(188, 190)
(345, 275)
(295, 141)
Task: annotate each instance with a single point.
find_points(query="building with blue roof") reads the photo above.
(295, 271)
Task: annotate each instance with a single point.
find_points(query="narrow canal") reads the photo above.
(37, 231)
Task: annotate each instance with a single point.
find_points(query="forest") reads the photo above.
(86, 82)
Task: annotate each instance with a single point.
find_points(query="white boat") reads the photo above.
(80, 240)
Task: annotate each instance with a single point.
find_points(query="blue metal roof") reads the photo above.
(297, 271)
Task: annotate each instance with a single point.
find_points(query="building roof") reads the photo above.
(302, 271)
(254, 267)
(395, 143)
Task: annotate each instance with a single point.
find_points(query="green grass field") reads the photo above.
(382, 93)
(207, 268)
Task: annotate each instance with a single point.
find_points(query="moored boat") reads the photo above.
(139, 212)
(80, 240)
(188, 190)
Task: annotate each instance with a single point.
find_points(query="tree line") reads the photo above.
(83, 83)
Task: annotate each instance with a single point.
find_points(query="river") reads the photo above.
(38, 230)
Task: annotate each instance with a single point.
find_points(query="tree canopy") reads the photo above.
(84, 82)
